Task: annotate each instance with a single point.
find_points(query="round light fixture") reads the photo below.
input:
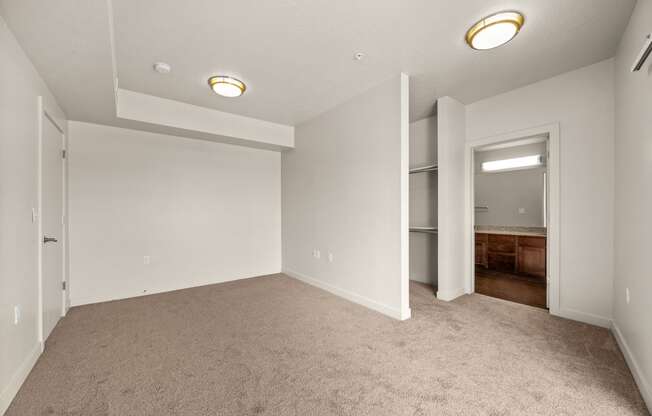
(494, 30)
(227, 86)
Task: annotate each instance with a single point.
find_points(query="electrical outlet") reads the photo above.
(16, 314)
(521, 210)
(627, 295)
(145, 259)
(330, 257)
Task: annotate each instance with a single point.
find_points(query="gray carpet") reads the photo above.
(276, 346)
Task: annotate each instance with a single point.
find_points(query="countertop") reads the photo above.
(511, 230)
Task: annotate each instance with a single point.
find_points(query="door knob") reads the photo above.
(49, 240)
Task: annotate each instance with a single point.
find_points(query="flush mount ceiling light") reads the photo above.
(494, 30)
(227, 86)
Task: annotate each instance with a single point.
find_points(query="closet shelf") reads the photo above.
(427, 230)
(430, 168)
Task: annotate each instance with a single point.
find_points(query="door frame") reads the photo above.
(553, 207)
(44, 115)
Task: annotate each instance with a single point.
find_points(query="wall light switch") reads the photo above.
(34, 215)
(317, 254)
(16, 314)
(521, 210)
(330, 257)
(627, 295)
(145, 259)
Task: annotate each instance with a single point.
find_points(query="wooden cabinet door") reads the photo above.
(502, 262)
(501, 252)
(481, 248)
(481, 253)
(532, 261)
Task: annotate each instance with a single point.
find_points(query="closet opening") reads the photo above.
(423, 205)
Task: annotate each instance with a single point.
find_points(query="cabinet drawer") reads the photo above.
(499, 243)
(534, 242)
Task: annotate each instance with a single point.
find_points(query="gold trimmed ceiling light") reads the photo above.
(227, 86)
(494, 30)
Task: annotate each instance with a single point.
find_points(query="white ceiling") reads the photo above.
(69, 44)
(297, 56)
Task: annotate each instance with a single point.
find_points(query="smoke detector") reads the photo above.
(162, 68)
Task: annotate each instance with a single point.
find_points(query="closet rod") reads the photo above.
(427, 230)
(431, 168)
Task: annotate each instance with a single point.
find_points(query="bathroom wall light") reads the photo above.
(494, 30)
(227, 86)
(512, 164)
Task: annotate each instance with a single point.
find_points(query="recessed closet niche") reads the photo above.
(423, 201)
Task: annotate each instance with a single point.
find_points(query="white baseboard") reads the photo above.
(587, 318)
(448, 295)
(353, 297)
(421, 280)
(79, 301)
(639, 377)
(11, 389)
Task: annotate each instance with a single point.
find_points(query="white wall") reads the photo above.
(342, 195)
(20, 85)
(513, 198)
(582, 102)
(204, 212)
(633, 326)
(423, 142)
(451, 255)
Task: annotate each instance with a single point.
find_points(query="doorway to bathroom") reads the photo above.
(510, 217)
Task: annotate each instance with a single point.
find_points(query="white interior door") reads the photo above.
(52, 225)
